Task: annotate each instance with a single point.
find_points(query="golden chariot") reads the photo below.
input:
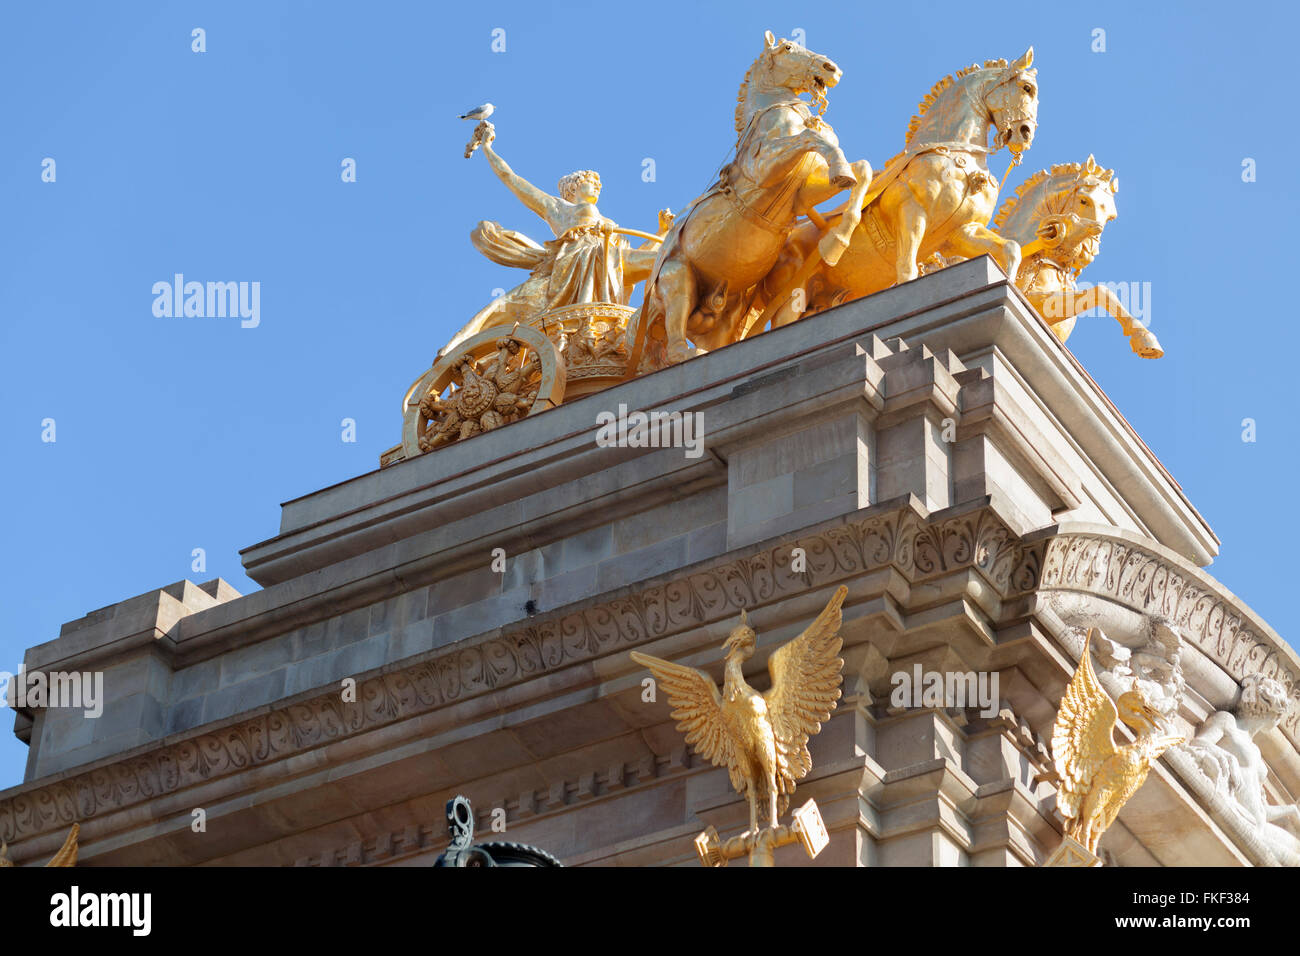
(508, 372)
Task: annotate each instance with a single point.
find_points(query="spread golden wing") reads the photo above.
(1082, 738)
(67, 855)
(806, 677)
(697, 706)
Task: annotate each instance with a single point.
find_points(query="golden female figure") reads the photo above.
(587, 261)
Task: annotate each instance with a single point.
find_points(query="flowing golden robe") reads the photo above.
(584, 264)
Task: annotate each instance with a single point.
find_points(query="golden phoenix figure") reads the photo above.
(762, 739)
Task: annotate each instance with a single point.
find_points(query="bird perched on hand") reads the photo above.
(762, 739)
(479, 112)
(1094, 777)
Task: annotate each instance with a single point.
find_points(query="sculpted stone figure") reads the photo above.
(589, 260)
(1154, 668)
(1225, 751)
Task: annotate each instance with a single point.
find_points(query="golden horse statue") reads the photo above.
(1057, 216)
(935, 196)
(787, 160)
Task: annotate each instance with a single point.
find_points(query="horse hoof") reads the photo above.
(831, 247)
(1145, 344)
(844, 181)
(682, 353)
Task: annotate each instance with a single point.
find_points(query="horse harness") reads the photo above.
(726, 184)
(725, 187)
(875, 226)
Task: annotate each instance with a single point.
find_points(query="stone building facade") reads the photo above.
(932, 447)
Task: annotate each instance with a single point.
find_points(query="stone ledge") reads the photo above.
(897, 534)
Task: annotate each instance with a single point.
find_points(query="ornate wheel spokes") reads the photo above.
(492, 379)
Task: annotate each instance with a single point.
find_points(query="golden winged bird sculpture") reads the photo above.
(1096, 777)
(762, 739)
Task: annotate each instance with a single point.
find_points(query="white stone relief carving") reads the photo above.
(1229, 771)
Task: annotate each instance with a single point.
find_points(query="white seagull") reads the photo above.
(479, 112)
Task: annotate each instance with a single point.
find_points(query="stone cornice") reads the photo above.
(1117, 566)
(898, 533)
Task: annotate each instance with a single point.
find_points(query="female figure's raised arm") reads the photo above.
(532, 197)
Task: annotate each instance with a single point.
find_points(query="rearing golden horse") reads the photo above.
(935, 196)
(787, 161)
(1057, 216)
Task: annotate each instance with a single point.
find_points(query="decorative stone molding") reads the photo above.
(525, 806)
(1206, 613)
(904, 538)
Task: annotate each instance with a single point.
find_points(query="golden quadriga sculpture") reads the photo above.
(754, 252)
(1094, 776)
(761, 738)
(701, 269)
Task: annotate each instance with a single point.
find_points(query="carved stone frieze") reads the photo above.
(907, 540)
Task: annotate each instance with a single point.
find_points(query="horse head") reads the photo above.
(1067, 208)
(1011, 99)
(785, 65)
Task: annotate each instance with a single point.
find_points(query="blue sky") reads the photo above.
(183, 433)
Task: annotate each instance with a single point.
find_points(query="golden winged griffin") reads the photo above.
(761, 738)
(1094, 776)
(754, 252)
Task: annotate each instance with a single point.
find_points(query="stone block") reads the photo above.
(245, 663)
(348, 628)
(185, 715)
(248, 695)
(635, 566)
(415, 638)
(466, 588)
(469, 620)
(587, 549)
(197, 679)
(707, 541)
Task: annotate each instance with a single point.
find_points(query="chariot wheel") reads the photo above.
(493, 378)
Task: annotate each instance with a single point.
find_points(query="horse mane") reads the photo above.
(1043, 182)
(1022, 192)
(743, 93)
(942, 87)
